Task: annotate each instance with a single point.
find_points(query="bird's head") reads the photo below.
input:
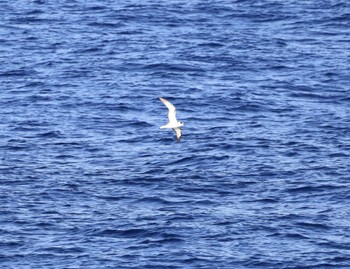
(181, 123)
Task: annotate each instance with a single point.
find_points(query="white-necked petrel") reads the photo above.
(172, 123)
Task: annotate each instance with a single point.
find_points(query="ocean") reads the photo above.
(261, 177)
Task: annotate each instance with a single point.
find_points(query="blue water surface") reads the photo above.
(261, 177)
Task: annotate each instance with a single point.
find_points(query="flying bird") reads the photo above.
(172, 123)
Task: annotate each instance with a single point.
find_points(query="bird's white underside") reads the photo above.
(172, 121)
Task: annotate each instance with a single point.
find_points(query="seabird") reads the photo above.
(172, 123)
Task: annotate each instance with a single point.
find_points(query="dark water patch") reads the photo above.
(106, 24)
(313, 225)
(311, 189)
(64, 156)
(51, 134)
(128, 233)
(183, 160)
(212, 44)
(15, 73)
(35, 12)
(195, 190)
(173, 67)
(293, 236)
(61, 250)
(334, 245)
(89, 50)
(98, 7)
(155, 199)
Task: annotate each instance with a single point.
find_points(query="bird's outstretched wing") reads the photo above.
(172, 111)
(178, 132)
